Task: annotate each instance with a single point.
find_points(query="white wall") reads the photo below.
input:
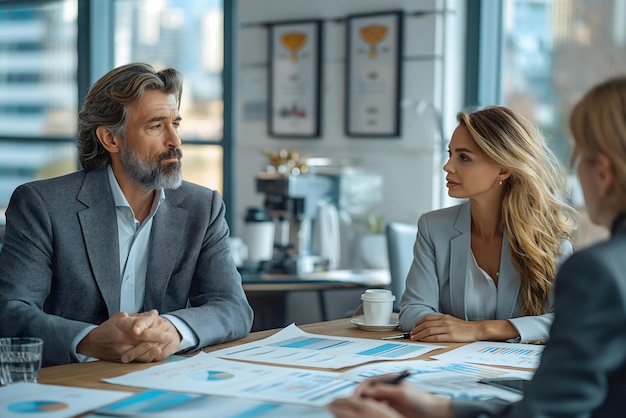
(432, 70)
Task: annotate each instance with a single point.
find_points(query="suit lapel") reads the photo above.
(99, 227)
(508, 285)
(166, 241)
(459, 251)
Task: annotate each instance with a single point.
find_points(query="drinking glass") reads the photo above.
(20, 359)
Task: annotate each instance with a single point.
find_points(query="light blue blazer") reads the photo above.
(437, 278)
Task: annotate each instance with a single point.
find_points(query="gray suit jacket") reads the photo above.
(437, 277)
(60, 272)
(583, 367)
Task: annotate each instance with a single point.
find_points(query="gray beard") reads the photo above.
(151, 174)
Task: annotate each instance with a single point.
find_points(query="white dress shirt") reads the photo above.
(134, 244)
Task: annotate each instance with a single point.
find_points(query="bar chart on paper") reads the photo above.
(293, 347)
(496, 354)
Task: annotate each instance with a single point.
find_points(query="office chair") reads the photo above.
(400, 240)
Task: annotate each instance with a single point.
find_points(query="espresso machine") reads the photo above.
(295, 203)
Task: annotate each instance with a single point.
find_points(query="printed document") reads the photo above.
(166, 404)
(294, 347)
(496, 354)
(209, 375)
(452, 380)
(25, 399)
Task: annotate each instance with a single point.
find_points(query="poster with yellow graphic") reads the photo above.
(373, 74)
(294, 81)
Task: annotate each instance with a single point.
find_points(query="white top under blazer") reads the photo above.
(438, 276)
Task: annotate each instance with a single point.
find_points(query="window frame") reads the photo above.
(483, 53)
(95, 57)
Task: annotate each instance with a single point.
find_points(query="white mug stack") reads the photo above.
(377, 306)
(259, 235)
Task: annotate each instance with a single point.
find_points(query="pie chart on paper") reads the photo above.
(211, 375)
(29, 407)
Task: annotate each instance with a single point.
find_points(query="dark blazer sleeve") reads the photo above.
(582, 371)
(27, 262)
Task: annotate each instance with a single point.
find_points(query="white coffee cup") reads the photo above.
(377, 306)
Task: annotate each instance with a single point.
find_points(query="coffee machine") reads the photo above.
(298, 205)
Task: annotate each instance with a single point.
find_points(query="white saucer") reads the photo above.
(362, 325)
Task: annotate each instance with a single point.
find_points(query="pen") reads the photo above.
(399, 378)
(403, 336)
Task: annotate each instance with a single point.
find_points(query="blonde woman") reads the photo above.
(483, 270)
(583, 367)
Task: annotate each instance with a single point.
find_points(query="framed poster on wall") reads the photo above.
(294, 79)
(373, 74)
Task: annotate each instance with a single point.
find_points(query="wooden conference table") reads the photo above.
(90, 375)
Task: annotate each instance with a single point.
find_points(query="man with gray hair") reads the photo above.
(123, 260)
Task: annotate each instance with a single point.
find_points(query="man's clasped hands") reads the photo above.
(141, 337)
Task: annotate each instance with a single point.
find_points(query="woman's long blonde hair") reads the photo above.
(535, 212)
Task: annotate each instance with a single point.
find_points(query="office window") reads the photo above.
(38, 92)
(38, 89)
(550, 53)
(186, 35)
(555, 50)
(43, 74)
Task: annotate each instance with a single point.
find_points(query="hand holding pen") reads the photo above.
(385, 379)
(384, 396)
(399, 378)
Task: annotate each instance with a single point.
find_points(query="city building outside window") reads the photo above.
(39, 86)
(553, 52)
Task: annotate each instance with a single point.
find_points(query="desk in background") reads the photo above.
(267, 293)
